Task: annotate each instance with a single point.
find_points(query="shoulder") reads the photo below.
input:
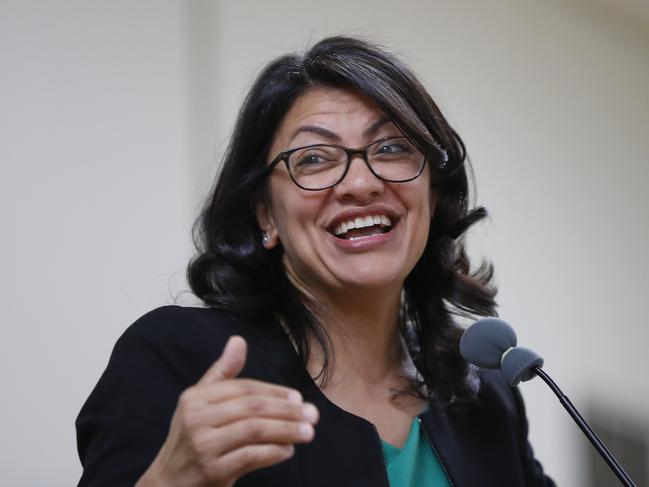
(179, 326)
(164, 352)
(495, 392)
(161, 353)
(496, 407)
(178, 322)
(503, 405)
(188, 340)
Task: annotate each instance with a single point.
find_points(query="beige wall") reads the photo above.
(117, 113)
(95, 204)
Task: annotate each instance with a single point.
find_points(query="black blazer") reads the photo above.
(125, 420)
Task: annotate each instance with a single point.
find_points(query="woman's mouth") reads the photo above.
(363, 226)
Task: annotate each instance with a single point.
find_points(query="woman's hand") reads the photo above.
(225, 427)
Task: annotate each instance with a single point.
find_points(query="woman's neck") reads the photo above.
(365, 339)
(367, 364)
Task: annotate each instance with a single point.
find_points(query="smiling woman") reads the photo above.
(331, 265)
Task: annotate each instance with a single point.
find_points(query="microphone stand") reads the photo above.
(590, 434)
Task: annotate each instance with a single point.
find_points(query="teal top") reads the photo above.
(414, 465)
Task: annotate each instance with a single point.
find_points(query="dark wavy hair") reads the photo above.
(232, 270)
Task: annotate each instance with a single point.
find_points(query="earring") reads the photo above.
(266, 237)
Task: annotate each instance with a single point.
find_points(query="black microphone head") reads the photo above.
(484, 342)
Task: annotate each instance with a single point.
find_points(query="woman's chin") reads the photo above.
(373, 280)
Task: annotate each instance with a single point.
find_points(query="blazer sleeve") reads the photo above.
(124, 422)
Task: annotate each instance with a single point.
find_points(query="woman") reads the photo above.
(332, 264)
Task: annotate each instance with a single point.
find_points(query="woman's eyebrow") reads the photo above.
(333, 137)
(314, 129)
(374, 128)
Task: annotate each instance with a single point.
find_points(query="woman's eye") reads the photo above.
(310, 159)
(393, 147)
(316, 156)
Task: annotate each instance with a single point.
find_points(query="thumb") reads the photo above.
(229, 364)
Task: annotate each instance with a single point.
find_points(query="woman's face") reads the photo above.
(308, 223)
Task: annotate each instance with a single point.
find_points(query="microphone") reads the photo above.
(491, 343)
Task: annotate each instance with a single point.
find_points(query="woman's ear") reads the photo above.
(269, 236)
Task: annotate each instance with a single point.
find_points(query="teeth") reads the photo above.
(362, 222)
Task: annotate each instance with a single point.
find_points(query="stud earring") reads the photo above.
(266, 238)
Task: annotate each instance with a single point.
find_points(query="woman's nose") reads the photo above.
(359, 183)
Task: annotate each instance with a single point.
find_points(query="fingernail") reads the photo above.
(294, 396)
(310, 413)
(306, 431)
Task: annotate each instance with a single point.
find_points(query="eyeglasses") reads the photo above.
(321, 166)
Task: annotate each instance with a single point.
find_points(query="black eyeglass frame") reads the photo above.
(350, 152)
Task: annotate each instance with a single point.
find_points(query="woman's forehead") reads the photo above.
(331, 113)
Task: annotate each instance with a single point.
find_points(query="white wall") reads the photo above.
(115, 112)
(96, 204)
